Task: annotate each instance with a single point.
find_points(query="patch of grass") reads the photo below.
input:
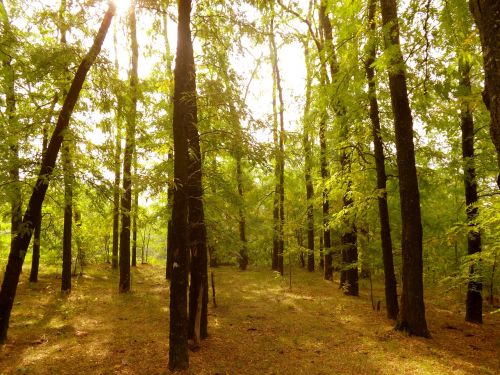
(259, 327)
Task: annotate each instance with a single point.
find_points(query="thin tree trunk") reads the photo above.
(135, 212)
(276, 196)
(198, 288)
(170, 190)
(35, 259)
(117, 164)
(487, 16)
(68, 212)
(170, 198)
(391, 295)
(126, 204)
(14, 191)
(474, 302)
(349, 250)
(184, 112)
(412, 313)
(280, 152)
(308, 164)
(243, 258)
(33, 211)
(67, 165)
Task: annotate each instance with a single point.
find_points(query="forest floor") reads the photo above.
(259, 326)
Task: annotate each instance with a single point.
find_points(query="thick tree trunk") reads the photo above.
(183, 115)
(308, 166)
(487, 16)
(33, 211)
(391, 296)
(474, 302)
(117, 165)
(412, 314)
(126, 204)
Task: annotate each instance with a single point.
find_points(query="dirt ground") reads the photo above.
(259, 326)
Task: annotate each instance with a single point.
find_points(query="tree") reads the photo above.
(33, 211)
(487, 16)
(116, 163)
(391, 294)
(278, 109)
(308, 165)
(183, 114)
(126, 203)
(474, 303)
(9, 75)
(412, 313)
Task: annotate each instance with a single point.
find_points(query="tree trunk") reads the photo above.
(349, 250)
(243, 259)
(135, 212)
(33, 211)
(170, 198)
(474, 302)
(412, 314)
(184, 109)
(68, 212)
(276, 197)
(308, 165)
(487, 16)
(391, 295)
(126, 204)
(117, 164)
(280, 152)
(198, 288)
(35, 259)
(325, 175)
(14, 187)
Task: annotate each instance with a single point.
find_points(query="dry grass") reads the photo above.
(259, 327)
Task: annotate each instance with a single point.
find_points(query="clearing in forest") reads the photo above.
(259, 326)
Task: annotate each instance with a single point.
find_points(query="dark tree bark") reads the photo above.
(412, 314)
(198, 288)
(68, 213)
(126, 204)
(33, 211)
(183, 115)
(391, 295)
(35, 259)
(67, 176)
(474, 302)
(487, 16)
(117, 167)
(308, 166)
(280, 152)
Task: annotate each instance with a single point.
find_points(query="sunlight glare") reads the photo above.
(122, 6)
